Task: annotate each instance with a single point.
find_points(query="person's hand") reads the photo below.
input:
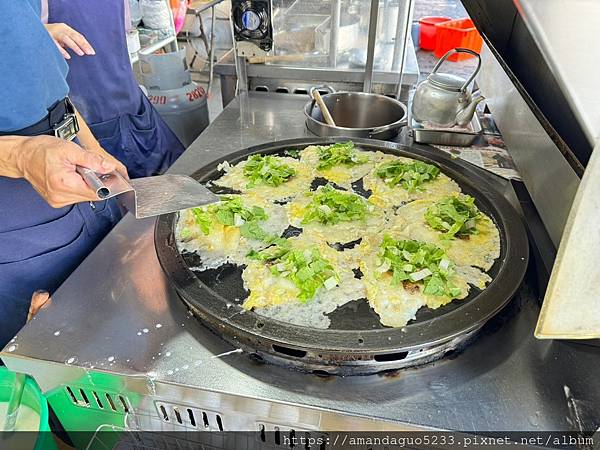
(49, 164)
(66, 37)
(104, 154)
(39, 300)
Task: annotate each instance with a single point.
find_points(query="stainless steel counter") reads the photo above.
(117, 315)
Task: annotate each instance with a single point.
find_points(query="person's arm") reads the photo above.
(49, 164)
(89, 142)
(39, 300)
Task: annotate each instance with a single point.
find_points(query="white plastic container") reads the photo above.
(133, 41)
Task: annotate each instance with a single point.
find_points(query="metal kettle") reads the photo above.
(442, 99)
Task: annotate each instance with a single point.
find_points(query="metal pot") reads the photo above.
(442, 99)
(357, 114)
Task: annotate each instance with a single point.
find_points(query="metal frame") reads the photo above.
(334, 27)
(209, 44)
(332, 74)
(400, 51)
(374, 13)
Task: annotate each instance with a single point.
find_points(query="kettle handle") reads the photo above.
(460, 50)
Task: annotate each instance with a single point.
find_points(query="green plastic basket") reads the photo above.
(34, 399)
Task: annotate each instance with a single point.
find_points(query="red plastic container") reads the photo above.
(427, 34)
(457, 33)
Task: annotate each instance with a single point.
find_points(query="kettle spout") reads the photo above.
(465, 115)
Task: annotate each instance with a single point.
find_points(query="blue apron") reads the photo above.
(40, 246)
(104, 89)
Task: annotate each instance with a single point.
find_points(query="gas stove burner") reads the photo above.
(252, 23)
(355, 343)
(322, 364)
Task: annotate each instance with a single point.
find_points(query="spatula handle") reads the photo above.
(94, 182)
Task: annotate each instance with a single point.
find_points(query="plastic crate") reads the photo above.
(427, 33)
(457, 33)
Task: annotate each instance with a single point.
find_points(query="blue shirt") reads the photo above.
(33, 75)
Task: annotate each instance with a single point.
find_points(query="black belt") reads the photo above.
(61, 122)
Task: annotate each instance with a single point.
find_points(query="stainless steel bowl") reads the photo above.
(357, 114)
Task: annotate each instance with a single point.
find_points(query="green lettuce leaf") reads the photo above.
(338, 154)
(330, 206)
(307, 269)
(454, 216)
(269, 170)
(230, 211)
(409, 176)
(415, 261)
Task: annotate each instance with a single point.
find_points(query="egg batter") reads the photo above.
(342, 174)
(374, 222)
(479, 250)
(225, 244)
(234, 178)
(397, 304)
(277, 297)
(386, 196)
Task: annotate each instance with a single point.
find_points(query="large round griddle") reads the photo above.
(355, 342)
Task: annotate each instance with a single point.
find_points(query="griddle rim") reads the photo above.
(343, 344)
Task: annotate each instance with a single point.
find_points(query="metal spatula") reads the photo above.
(570, 309)
(150, 196)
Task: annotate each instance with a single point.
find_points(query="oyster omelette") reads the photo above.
(365, 226)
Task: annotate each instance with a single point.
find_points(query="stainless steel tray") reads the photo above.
(459, 137)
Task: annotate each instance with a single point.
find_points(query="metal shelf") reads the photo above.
(153, 47)
(157, 45)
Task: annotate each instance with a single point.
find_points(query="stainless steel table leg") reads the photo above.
(368, 83)
(334, 28)
(203, 34)
(403, 26)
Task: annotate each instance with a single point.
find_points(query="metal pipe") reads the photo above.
(334, 28)
(242, 74)
(405, 8)
(211, 54)
(92, 180)
(240, 65)
(368, 83)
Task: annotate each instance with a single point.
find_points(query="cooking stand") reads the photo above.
(118, 348)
